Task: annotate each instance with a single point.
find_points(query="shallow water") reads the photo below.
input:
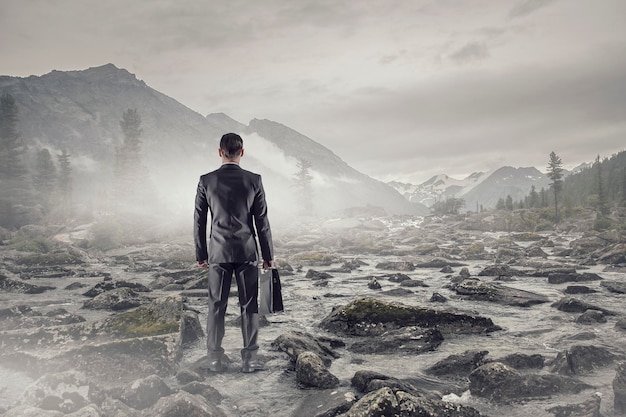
(538, 329)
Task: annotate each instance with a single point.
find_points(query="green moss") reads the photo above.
(379, 311)
(37, 245)
(142, 322)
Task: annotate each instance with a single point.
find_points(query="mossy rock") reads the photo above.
(315, 258)
(160, 317)
(68, 257)
(527, 237)
(366, 316)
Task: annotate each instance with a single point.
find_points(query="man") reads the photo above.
(236, 201)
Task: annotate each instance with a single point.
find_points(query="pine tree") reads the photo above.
(555, 173)
(602, 203)
(508, 203)
(64, 181)
(302, 182)
(11, 148)
(44, 179)
(130, 174)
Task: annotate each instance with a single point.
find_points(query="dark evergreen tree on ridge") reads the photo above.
(555, 173)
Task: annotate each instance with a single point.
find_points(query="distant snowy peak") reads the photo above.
(435, 188)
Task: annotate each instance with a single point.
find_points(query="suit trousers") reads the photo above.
(220, 278)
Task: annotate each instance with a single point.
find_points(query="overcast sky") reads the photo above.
(400, 89)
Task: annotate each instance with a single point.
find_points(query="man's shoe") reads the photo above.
(216, 366)
(251, 366)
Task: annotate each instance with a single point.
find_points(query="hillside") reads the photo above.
(80, 111)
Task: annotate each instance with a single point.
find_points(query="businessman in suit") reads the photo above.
(236, 201)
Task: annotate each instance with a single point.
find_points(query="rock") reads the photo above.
(499, 271)
(361, 379)
(183, 404)
(190, 328)
(523, 361)
(66, 256)
(500, 383)
(619, 388)
(615, 255)
(396, 266)
(438, 298)
(413, 340)
(589, 408)
(476, 251)
(89, 411)
(385, 402)
(111, 285)
(185, 376)
(535, 252)
(560, 278)
(75, 286)
(143, 393)
(464, 272)
(373, 284)
(24, 317)
(398, 292)
(314, 258)
(117, 299)
(115, 408)
(397, 277)
(572, 305)
(317, 275)
(591, 317)
(366, 316)
(30, 411)
(482, 291)
(411, 283)
(446, 269)
(325, 403)
(65, 392)
(203, 389)
(294, 343)
(459, 365)
(618, 287)
(311, 372)
(582, 359)
(621, 324)
(578, 289)
(19, 286)
(438, 263)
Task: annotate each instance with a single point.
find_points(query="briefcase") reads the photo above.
(270, 292)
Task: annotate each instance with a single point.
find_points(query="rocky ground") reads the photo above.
(463, 316)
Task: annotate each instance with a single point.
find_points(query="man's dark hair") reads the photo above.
(231, 145)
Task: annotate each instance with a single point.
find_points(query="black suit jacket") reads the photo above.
(236, 200)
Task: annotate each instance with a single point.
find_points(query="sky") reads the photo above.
(399, 89)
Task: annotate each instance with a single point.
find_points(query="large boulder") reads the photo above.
(561, 277)
(588, 408)
(183, 404)
(500, 383)
(145, 392)
(366, 316)
(385, 402)
(618, 287)
(396, 266)
(573, 305)
(582, 359)
(294, 343)
(460, 364)
(312, 373)
(406, 340)
(111, 285)
(18, 286)
(117, 299)
(619, 388)
(474, 289)
(24, 317)
(64, 392)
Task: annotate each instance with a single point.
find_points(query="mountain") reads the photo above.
(477, 189)
(81, 111)
(436, 188)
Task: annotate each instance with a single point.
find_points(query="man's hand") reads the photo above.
(203, 264)
(269, 264)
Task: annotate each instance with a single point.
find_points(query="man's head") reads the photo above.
(231, 147)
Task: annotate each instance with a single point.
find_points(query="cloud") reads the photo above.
(527, 7)
(473, 51)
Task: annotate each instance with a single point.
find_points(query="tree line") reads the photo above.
(36, 186)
